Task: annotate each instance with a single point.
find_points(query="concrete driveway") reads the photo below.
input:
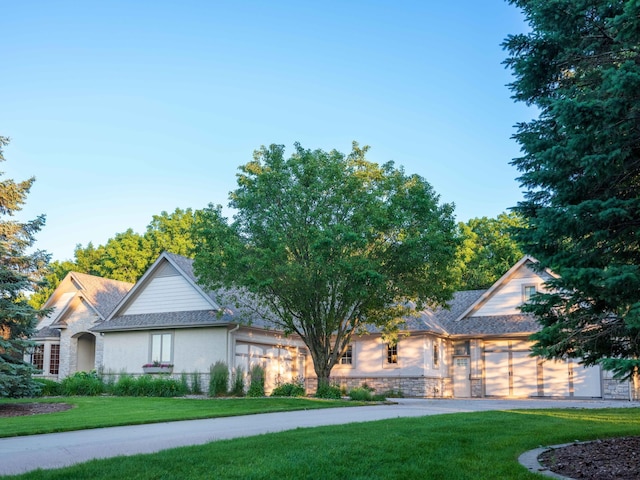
(23, 454)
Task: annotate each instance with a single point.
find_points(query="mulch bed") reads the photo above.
(611, 459)
(18, 409)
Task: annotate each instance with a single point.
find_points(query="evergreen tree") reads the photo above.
(20, 273)
(580, 66)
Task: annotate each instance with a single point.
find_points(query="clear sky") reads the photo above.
(122, 110)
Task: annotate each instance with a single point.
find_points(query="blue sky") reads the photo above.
(122, 110)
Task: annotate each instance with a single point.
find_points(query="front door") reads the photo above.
(461, 374)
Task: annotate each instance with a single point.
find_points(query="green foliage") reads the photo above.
(48, 388)
(361, 394)
(21, 272)
(488, 249)
(149, 386)
(580, 66)
(237, 388)
(218, 379)
(195, 386)
(82, 383)
(256, 386)
(324, 244)
(328, 391)
(291, 389)
(393, 394)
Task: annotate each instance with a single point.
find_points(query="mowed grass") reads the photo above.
(465, 446)
(97, 412)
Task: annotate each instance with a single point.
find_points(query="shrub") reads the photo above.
(218, 379)
(124, 386)
(288, 390)
(237, 389)
(196, 388)
(393, 394)
(329, 392)
(148, 386)
(49, 388)
(82, 383)
(360, 394)
(256, 387)
(184, 382)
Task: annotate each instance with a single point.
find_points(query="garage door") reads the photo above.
(567, 378)
(510, 374)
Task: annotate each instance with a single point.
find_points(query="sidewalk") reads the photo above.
(23, 454)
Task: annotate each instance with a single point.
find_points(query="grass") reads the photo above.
(463, 446)
(97, 412)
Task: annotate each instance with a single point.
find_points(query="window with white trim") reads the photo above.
(161, 347)
(528, 291)
(347, 357)
(37, 357)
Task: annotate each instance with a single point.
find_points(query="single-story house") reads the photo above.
(478, 347)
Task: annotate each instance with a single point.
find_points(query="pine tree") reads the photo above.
(20, 273)
(580, 66)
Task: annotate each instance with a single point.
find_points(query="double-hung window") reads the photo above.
(392, 353)
(347, 356)
(161, 347)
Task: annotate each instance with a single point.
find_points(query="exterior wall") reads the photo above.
(80, 319)
(194, 349)
(167, 294)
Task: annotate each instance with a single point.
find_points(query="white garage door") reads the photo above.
(497, 373)
(510, 374)
(570, 379)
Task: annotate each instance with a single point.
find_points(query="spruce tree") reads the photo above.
(20, 273)
(580, 67)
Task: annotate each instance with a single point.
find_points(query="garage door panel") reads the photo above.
(525, 375)
(555, 378)
(497, 374)
(586, 381)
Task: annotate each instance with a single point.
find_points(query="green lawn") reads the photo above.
(96, 412)
(472, 446)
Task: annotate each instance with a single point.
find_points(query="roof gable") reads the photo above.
(168, 286)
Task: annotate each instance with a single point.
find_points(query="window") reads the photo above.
(528, 291)
(392, 353)
(461, 347)
(347, 357)
(436, 353)
(54, 359)
(37, 357)
(161, 350)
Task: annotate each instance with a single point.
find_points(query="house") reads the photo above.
(169, 319)
(478, 347)
(65, 343)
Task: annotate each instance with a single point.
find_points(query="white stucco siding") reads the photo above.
(167, 294)
(125, 351)
(196, 349)
(369, 358)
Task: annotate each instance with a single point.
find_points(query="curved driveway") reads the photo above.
(55, 450)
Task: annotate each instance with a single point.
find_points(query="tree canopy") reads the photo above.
(20, 273)
(489, 249)
(580, 66)
(329, 243)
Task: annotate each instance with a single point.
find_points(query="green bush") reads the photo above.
(218, 379)
(196, 388)
(360, 394)
(256, 387)
(82, 383)
(393, 394)
(49, 388)
(237, 389)
(329, 391)
(288, 390)
(148, 386)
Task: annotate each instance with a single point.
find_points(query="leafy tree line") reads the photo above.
(580, 66)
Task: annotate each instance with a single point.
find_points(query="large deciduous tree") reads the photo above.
(488, 249)
(20, 273)
(328, 243)
(580, 66)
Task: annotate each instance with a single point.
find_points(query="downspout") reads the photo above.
(230, 353)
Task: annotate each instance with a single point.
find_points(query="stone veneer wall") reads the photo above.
(425, 387)
(615, 390)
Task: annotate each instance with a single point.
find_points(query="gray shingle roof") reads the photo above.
(103, 293)
(46, 332)
(494, 325)
(145, 321)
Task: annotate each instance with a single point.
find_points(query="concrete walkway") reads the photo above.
(23, 454)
